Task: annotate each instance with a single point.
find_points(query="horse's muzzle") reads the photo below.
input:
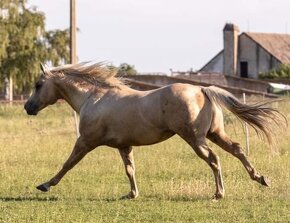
(31, 108)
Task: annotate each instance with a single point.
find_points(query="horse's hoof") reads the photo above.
(43, 188)
(217, 197)
(129, 196)
(264, 182)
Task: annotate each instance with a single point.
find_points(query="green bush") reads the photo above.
(282, 73)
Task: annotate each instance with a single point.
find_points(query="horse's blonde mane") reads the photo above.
(96, 73)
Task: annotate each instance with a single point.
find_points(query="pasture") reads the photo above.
(175, 185)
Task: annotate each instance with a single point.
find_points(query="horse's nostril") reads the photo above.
(31, 108)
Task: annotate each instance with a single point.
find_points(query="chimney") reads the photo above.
(231, 34)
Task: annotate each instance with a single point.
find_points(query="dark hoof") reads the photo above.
(42, 188)
(129, 196)
(217, 197)
(264, 182)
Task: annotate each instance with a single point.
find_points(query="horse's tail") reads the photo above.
(259, 115)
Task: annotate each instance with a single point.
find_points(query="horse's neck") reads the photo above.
(75, 95)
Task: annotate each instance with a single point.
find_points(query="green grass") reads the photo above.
(175, 185)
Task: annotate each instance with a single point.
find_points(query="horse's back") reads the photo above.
(163, 108)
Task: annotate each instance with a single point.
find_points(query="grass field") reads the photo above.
(175, 185)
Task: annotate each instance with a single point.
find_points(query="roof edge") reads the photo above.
(220, 52)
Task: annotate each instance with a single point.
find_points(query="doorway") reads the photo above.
(244, 69)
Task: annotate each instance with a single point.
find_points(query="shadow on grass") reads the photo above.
(25, 198)
(141, 198)
(149, 198)
(109, 200)
(179, 198)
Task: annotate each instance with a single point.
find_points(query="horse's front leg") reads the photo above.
(128, 159)
(79, 151)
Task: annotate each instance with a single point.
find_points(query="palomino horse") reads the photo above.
(118, 116)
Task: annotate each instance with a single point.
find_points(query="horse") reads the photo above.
(113, 114)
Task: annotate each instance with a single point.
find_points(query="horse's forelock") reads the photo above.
(48, 74)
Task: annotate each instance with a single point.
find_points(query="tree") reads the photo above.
(123, 69)
(58, 46)
(126, 69)
(25, 44)
(283, 72)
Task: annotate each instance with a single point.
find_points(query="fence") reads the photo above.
(155, 81)
(235, 85)
(224, 80)
(16, 98)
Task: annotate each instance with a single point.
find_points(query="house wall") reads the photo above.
(216, 65)
(259, 60)
(266, 61)
(248, 53)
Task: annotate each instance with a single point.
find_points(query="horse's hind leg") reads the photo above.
(79, 151)
(204, 152)
(128, 159)
(234, 148)
(201, 148)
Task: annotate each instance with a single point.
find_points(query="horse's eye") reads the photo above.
(37, 86)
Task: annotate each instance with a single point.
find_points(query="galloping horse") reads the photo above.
(113, 114)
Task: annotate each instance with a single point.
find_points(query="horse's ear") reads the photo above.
(42, 68)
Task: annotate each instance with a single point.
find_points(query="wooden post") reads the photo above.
(6, 84)
(10, 90)
(247, 131)
(73, 53)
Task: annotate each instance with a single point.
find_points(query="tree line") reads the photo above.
(25, 43)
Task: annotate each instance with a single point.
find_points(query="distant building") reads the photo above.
(248, 54)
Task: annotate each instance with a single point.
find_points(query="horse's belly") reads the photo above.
(152, 138)
(137, 138)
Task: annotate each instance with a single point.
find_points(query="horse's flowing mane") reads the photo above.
(96, 73)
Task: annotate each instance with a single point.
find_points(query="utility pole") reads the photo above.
(73, 28)
(73, 53)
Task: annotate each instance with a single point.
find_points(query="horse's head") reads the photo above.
(44, 94)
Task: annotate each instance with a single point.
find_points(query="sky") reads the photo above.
(159, 35)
